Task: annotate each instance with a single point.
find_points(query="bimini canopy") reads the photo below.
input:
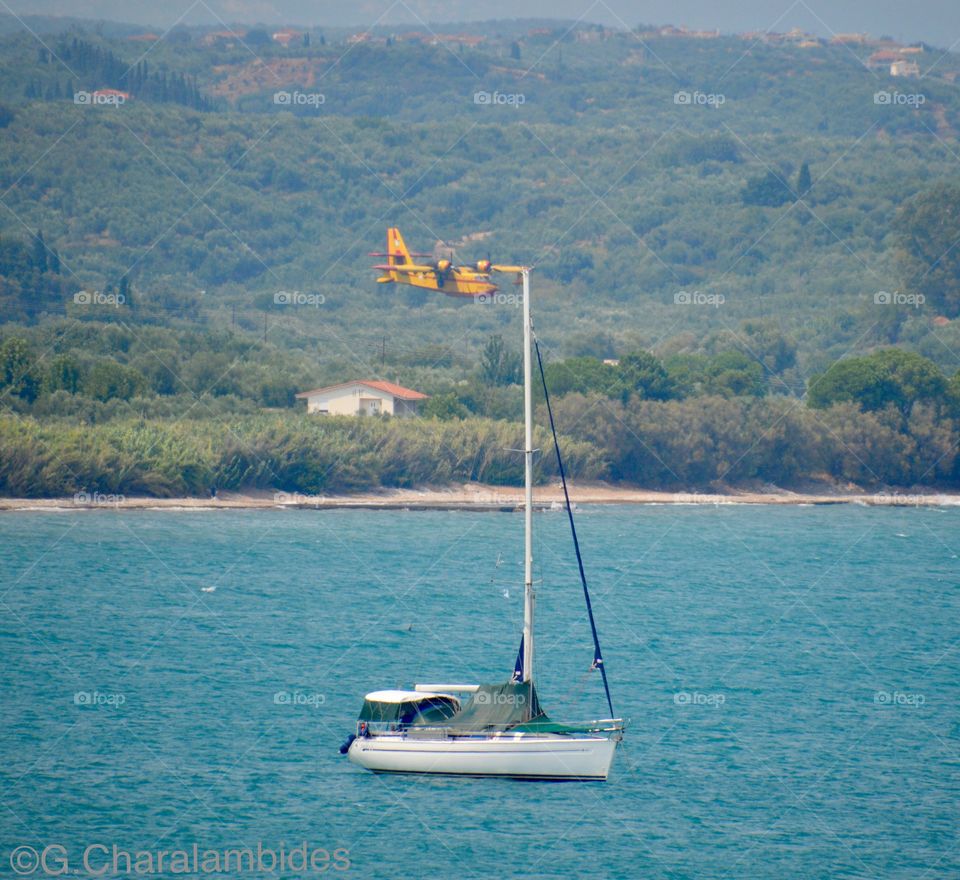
(408, 707)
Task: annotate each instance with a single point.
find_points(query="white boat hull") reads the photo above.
(515, 755)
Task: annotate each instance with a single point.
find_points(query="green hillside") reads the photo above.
(698, 198)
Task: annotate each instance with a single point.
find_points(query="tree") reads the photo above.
(915, 377)
(498, 364)
(888, 377)
(572, 263)
(123, 291)
(767, 343)
(734, 374)
(585, 375)
(858, 380)
(804, 182)
(107, 379)
(40, 252)
(953, 395)
(17, 368)
(62, 374)
(257, 37)
(928, 256)
(595, 343)
(445, 406)
(643, 373)
(686, 372)
(769, 191)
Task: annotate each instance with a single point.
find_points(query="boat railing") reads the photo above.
(614, 726)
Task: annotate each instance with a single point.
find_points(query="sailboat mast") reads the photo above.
(528, 595)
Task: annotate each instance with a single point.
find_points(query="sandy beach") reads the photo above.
(476, 496)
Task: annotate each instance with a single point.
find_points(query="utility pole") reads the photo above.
(383, 351)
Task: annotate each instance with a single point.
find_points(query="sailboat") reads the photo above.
(497, 730)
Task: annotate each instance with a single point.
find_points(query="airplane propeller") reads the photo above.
(483, 266)
(442, 269)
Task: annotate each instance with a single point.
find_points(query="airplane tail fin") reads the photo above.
(399, 258)
(397, 252)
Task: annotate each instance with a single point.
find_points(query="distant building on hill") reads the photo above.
(800, 38)
(286, 37)
(363, 398)
(904, 68)
(223, 39)
(670, 30)
(883, 58)
(433, 39)
(108, 95)
(850, 39)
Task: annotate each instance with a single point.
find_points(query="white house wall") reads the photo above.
(346, 401)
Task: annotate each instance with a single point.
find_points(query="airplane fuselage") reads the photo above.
(456, 283)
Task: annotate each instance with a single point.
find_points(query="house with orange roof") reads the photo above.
(363, 397)
(883, 58)
(287, 36)
(110, 96)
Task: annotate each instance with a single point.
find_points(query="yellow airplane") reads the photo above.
(439, 274)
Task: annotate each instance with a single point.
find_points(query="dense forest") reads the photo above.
(759, 286)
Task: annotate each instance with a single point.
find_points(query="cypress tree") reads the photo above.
(804, 181)
(39, 252)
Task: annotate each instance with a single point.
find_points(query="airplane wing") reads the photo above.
(497, 268)
(409, 269)
(382, 254)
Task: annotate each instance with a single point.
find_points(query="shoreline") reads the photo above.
(476, 497)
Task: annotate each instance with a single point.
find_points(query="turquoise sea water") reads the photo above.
(790, 676)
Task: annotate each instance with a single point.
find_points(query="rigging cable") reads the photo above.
(597, 655)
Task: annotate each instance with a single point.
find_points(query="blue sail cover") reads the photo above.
(518, 666)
